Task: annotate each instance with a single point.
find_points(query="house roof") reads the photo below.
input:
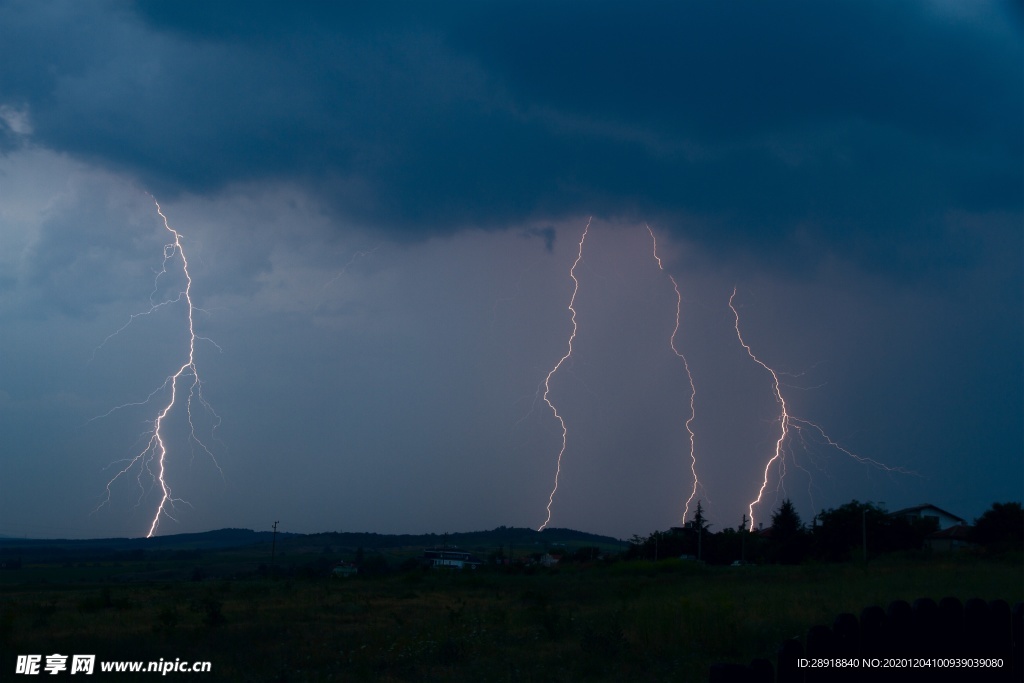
(918, 509)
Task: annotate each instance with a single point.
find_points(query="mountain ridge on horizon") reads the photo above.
(235, 537)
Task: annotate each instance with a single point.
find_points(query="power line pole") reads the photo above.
(273, 546)
(864, 532)
(743, 540)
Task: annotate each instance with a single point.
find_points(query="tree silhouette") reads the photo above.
(786, 522)
(1000, 528)
(788, 540)
(699, 521)
(697, 527)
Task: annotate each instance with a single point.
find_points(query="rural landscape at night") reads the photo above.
(512, 341)
(687, 603)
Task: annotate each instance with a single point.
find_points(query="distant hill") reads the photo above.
(221, 538)
(501, 536)
(237, 538)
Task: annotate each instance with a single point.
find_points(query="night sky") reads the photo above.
(381, 204)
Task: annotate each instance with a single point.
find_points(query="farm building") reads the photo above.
(455, 559)
(344, 570)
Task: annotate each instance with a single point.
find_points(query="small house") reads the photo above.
(548, 560)
(944, 520)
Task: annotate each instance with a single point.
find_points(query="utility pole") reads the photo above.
(864, 533)
(698, 521)
(273, 547)
(743, 540)
(700, 545)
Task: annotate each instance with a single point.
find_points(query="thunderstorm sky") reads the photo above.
(381, 204)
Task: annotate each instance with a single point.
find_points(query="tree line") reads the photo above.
(854, 531)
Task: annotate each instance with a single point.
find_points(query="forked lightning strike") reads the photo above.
(547, 380)
(783, 417)
(689, 377)
(787, 422)
(153, 458)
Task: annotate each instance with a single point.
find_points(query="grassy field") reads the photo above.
(620, 621)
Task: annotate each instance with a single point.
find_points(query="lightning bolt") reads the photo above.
(547, 380)
(153, 458)
(783, 417)
(689, 376)
(788, 423)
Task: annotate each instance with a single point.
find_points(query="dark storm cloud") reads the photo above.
(853, 125)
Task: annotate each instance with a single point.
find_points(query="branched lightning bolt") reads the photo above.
(783, 417)
(547, 380)
(689, 377)
(789, 422)
(799, 423)
(153, 458)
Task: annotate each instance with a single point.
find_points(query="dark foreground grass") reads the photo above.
(624, 621)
